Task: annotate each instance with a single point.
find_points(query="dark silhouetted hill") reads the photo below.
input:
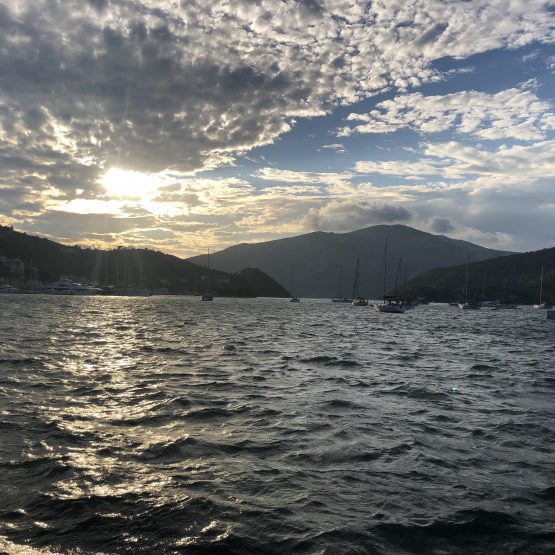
(516, 275)
(133, 267)
(322, 264)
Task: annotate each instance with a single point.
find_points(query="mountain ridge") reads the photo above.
(321, 264)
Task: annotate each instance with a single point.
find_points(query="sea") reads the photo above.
(260, 426)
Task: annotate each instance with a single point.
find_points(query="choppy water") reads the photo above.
(167, 425)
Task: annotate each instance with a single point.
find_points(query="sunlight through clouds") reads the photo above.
(224, 115)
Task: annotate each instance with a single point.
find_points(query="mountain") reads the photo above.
(516, 275)
(124, 266)
(322, 264)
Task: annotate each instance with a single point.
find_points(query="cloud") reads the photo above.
(510, 114)
(454, 160)
(441, 225)
(337, 147)
(167, 89)
(149, 85)
(348, 216)
(288, 176)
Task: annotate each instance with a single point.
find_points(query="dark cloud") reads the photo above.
(441, 225)
(342, 216)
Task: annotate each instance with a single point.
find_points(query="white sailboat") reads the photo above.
(391, 304)
(358, 300)
(542, 305)
(468, 305)
(7, 289)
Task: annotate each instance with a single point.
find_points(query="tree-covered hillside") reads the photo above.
(516, 277)
(132, 267)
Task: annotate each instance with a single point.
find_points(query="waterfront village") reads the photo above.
(17, 276)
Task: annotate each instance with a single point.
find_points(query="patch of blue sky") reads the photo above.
(306, 147)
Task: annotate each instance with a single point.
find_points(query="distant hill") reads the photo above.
(137, 267)
(322, 264)
(517, 275)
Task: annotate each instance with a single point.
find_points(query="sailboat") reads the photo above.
(294, 298)
(341, 299)
(468, 305)
(541, 304)
(408, 303)
(503, 305)
(207, 296)
(358, 300)
(391, 304)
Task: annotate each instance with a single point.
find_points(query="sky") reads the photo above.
(198, 124)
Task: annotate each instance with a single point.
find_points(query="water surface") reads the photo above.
(168, 425)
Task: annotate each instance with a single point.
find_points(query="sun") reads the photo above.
(130, 185)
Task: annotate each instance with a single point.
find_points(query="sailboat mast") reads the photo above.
(466, 282)
(384, 267)
(355, 284)
(341, 292)
(398, 277)
(541, 286)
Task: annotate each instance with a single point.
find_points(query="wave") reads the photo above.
(466, 531)
(416, 392)
(330, 361)
(341, 404)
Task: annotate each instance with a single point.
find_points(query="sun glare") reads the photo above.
(130, 185)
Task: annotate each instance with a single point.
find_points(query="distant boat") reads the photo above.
(391, 304)
(542, 305)
(6, 289)
(65, 286)
(207, 296)
(466, 305)
(294, 300)
(503, 305)
(358, 300)
(343, 300)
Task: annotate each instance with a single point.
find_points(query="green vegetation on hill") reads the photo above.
(132, 267)
(516, 276)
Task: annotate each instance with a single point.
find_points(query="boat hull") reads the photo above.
(390, 308)
(469, 306)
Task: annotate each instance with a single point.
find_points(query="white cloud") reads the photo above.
(510, 114)
(454, 160)
(337, 147)
(147, 85)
